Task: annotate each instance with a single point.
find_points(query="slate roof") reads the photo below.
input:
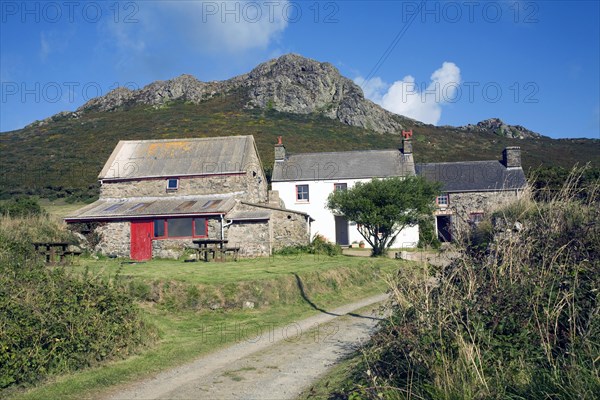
(473, 176)
(343, 165)
(152, 207)
(249, 215)
(178, 157)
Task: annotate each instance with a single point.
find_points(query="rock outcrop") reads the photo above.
(498, 127)
(290, 83)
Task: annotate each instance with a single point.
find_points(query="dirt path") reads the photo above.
(268, 362)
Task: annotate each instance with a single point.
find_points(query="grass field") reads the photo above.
(255, 269)
(188, 333)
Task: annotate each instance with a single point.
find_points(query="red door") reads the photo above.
(141, 240)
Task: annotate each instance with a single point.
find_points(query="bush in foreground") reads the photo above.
(517, 316)
(53, 322)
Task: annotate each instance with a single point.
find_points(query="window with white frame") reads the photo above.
(172, 184)
(340, 186)
(442, 200)
(302, 193)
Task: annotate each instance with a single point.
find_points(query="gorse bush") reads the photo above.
(516, 316)
(52, 321)
(21, 207)
(319, 245)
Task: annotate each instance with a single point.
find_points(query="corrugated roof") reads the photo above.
(343, 165)
(153, 206)
(178, 157)
(249, 215)
(473, 176)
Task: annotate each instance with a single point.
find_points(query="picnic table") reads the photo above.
(214, 249)
(54, 252)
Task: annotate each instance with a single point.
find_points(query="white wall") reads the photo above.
(324, 223)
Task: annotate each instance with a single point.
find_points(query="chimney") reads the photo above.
(407, 142)
(279, 150)
(511, 157)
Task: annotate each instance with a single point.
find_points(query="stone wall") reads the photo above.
(250, 186)
(252, 237)
(289, 229)
(284, 228)
(114, 239)
(463, 204)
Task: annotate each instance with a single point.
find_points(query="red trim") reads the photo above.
(136, 217)
(156, 178)
(166, 229)
(447, 196)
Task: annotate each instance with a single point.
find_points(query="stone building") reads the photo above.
(471, 189)
(157, 196)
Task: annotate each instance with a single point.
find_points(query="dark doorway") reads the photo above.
(444, 228)
(341, 231)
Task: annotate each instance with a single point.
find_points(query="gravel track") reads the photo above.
(267, 362)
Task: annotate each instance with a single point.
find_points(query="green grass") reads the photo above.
(187, 334)
(212, 273)
(59, 208)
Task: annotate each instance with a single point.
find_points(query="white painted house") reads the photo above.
(304, 181)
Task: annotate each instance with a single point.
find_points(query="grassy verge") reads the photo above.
(515, 316)
(186, 333)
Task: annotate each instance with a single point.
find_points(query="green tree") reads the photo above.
(382, 208)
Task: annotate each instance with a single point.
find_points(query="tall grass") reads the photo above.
(52, 321)
(517, 315)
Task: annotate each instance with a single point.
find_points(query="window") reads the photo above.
(180, 228)
(200, 227)
(172, 184)
(302, 193)
(114, 207)
(159, 227)
(475, 218)
(442, 200)
(340, 186)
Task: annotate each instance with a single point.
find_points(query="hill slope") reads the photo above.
(307, 102)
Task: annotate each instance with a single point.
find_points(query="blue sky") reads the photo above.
(532, 63)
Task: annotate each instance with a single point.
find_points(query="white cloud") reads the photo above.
(204, 26)
(406, 97)
(44, 47)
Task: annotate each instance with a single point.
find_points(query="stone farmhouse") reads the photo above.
(470, 189)
(156, 196)
(304, 182)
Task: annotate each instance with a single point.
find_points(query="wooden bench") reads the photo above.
(234, 250)
(55, 252)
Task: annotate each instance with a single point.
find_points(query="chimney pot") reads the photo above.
(407, 142)
(279, 150)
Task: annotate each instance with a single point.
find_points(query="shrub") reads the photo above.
(319, 245)
(518, 317)
(53, 322)
(21, 207)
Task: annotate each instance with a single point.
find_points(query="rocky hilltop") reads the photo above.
(498, 127)
(290, 83)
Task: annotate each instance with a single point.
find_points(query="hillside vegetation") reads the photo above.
(63, 158)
